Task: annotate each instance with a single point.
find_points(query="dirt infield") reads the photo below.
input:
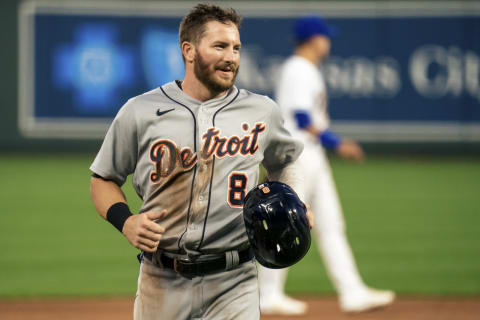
(319, 308)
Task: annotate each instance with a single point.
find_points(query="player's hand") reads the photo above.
(142, 230)
(310, 216)
(350, 150)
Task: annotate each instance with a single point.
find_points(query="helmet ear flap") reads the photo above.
(276, 224)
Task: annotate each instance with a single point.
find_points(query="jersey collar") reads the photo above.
(175, 92)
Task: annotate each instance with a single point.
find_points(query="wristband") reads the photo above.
(117, 214)
(302, 118)
(329, 139)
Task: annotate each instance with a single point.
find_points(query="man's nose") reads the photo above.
(230, 55)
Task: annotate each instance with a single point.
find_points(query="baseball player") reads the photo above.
(194, 148)
(301, 94)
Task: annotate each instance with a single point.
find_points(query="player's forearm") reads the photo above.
(327, 138)
(313, 130)
(291, 175)
(104, 194)
(304, 122)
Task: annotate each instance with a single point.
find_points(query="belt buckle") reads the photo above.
(175, 265)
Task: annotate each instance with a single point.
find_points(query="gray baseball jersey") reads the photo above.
(196, 160)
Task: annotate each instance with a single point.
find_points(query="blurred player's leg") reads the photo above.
(272, 297)
(354, 295)
(330, 230)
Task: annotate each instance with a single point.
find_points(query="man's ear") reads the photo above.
(188, 51)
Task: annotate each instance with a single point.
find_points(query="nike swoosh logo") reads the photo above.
(160, 113)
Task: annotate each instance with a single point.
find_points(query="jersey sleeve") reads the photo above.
(282, 148)
(117, 157)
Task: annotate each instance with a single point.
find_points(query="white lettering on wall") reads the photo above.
(436, 72)
(250, 75)
(362, 77)
(472, 74)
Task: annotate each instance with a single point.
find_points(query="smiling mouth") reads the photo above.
(225, 72)
(228, 68)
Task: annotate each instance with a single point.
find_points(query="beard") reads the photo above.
(207, 76)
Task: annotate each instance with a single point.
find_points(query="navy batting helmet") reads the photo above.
(277, 225)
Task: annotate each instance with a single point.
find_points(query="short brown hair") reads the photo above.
(193, 25)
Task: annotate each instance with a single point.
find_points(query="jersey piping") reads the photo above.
(211, 177)
(194, 169)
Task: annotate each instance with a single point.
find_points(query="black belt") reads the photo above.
(190, 269)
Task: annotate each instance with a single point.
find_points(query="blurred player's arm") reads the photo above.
(141, 230)
(345, 148)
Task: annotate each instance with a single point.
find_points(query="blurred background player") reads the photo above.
(301, 93)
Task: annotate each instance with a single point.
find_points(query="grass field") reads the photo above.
(413, 224)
